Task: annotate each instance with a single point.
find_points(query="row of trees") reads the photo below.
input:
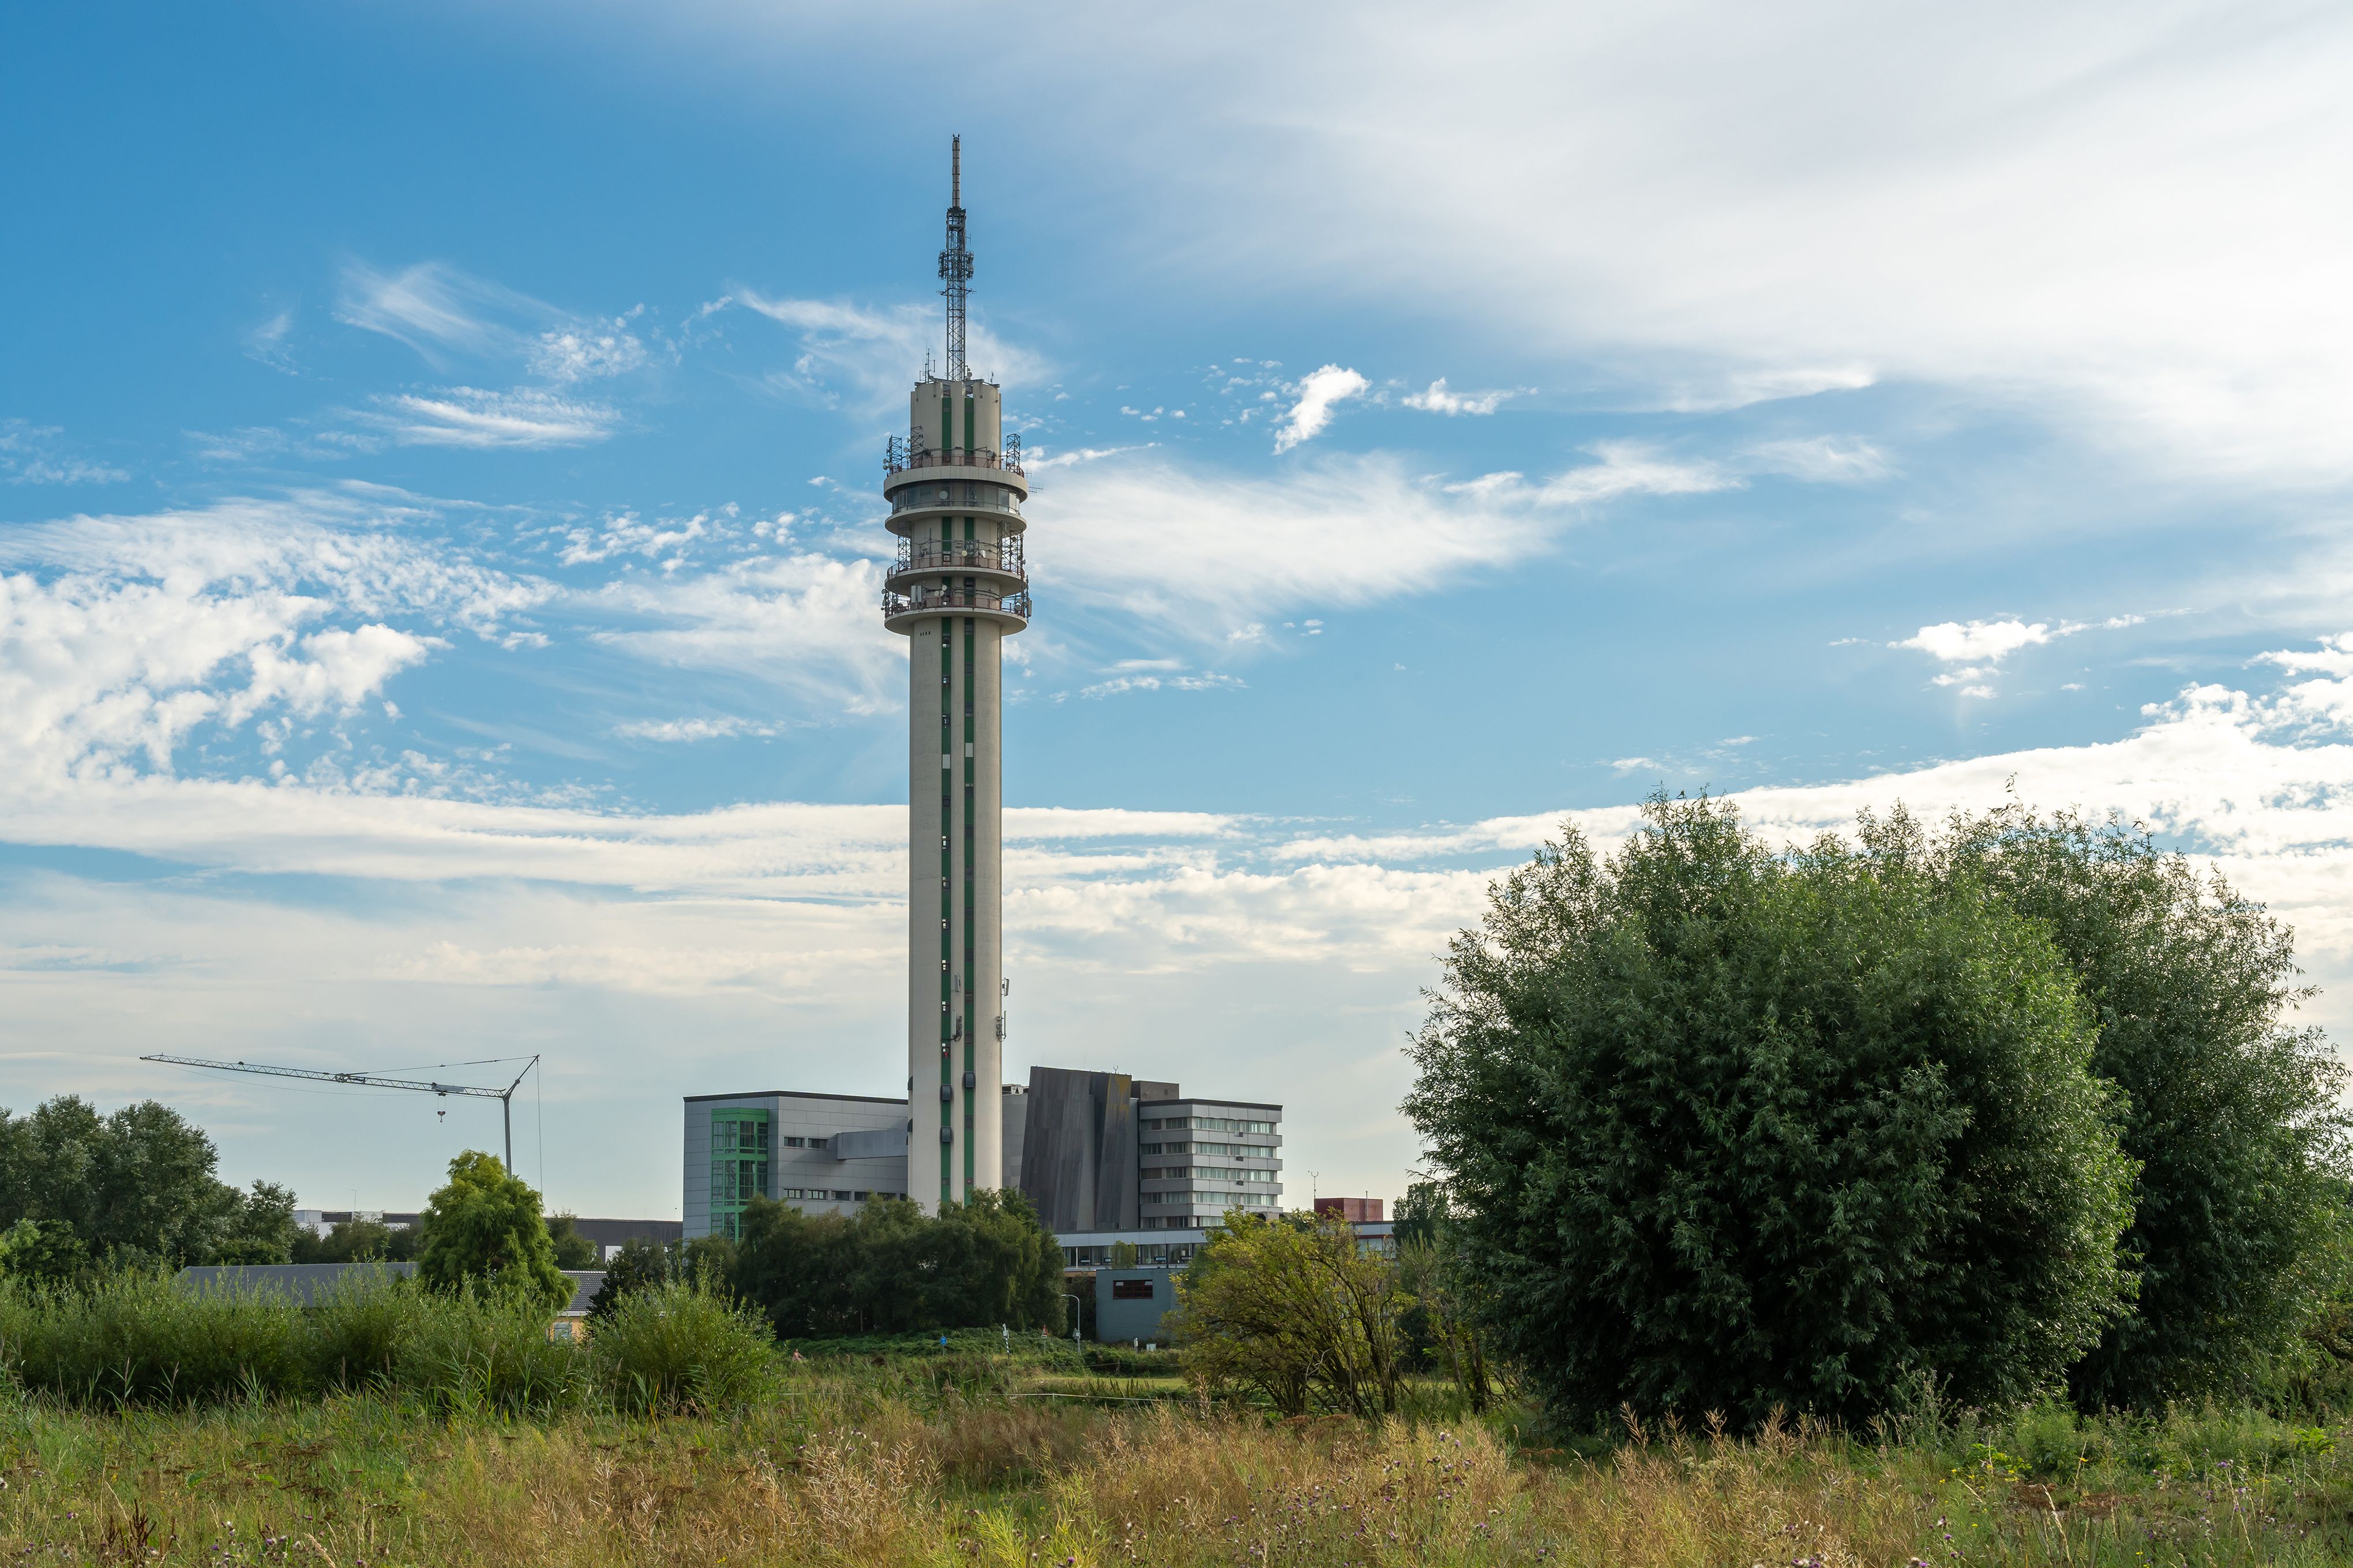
(83, 1194)
(2012, 1106)
(82, 1197)
(888, 1268)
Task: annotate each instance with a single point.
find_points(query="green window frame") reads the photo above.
(741, 1140)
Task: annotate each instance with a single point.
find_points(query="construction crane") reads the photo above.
(505, 1097)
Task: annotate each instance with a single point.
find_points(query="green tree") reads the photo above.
(800, 1268)
(890, 1268)
(639, 1265)
(573, 1250)
(707, 1262)
(1730, 1130)
(1295, 1311)
(486, 1227)
(1443, 1328)
(136, 1187)
(1010, 1265)
(352, 1241)
(1420, 1214)
(258, 1228)
(2231, 1112)
(44, 1252)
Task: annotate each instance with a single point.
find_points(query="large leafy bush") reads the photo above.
(1732, 1130)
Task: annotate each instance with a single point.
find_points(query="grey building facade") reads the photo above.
(826, 1154)
(1078, 1165)
(823, 1154)
(1102, 1156)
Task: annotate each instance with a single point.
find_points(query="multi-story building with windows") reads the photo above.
(826, 1152)
(1103, 1158)
(1200, 1158)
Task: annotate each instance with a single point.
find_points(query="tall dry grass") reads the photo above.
(834, 1471)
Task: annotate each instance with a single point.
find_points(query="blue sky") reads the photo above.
(438, 540)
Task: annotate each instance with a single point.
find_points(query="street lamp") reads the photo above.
(1074, 1301)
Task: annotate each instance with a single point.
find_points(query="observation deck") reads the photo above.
(1000, 565)
(923, 480)
(904, 612)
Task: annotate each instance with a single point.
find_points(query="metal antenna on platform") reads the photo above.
(955, 262)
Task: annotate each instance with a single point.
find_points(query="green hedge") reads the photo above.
(147, 1340)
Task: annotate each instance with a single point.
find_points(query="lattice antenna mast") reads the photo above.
(956, 263)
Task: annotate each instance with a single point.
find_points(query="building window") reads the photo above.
(739, 1166)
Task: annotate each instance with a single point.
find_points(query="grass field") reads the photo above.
(893, 1455)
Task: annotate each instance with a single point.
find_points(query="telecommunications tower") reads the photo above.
(958, 587)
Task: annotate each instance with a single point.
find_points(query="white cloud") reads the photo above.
(876, 352)
(809, 623)
(130, 632)
(1349, 530)
(1119, 685)
(1438, 400)
(629, 535)
(30, 456)
(1977, 647)
(730, 922)
(1318, 393)
(469, 416)
(436, 309)
(674, 730)
(1053, 459)
(580, 353)
(266, 342)
(2129, 224)
(1990, 641)
(1821, 459)
(2262, 783)
(1741, 388)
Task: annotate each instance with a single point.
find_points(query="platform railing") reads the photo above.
(902, 453)
(960, 555)
(952, 601)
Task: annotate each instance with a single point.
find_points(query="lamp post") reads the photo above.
(1074, 1301)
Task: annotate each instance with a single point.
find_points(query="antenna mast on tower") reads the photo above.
(955, 262)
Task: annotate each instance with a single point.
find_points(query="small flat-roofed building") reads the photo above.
(1131, 1302)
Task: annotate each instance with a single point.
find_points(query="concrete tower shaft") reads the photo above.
(957, 589)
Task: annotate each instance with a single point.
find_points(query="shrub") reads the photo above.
(142, 1338)
(671, 1346)
(478, 1348)
(485, 1228)
(892, 1268)
(359, 1325)
(147, 1338)
(1732, 1130)
(1292, 1309)
(2231, 1115)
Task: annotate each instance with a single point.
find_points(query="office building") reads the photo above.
(1104, 1157)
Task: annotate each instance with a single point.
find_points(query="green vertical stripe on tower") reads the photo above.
(968, 401)
(947, 424)
(971, 884)
(947, 885)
